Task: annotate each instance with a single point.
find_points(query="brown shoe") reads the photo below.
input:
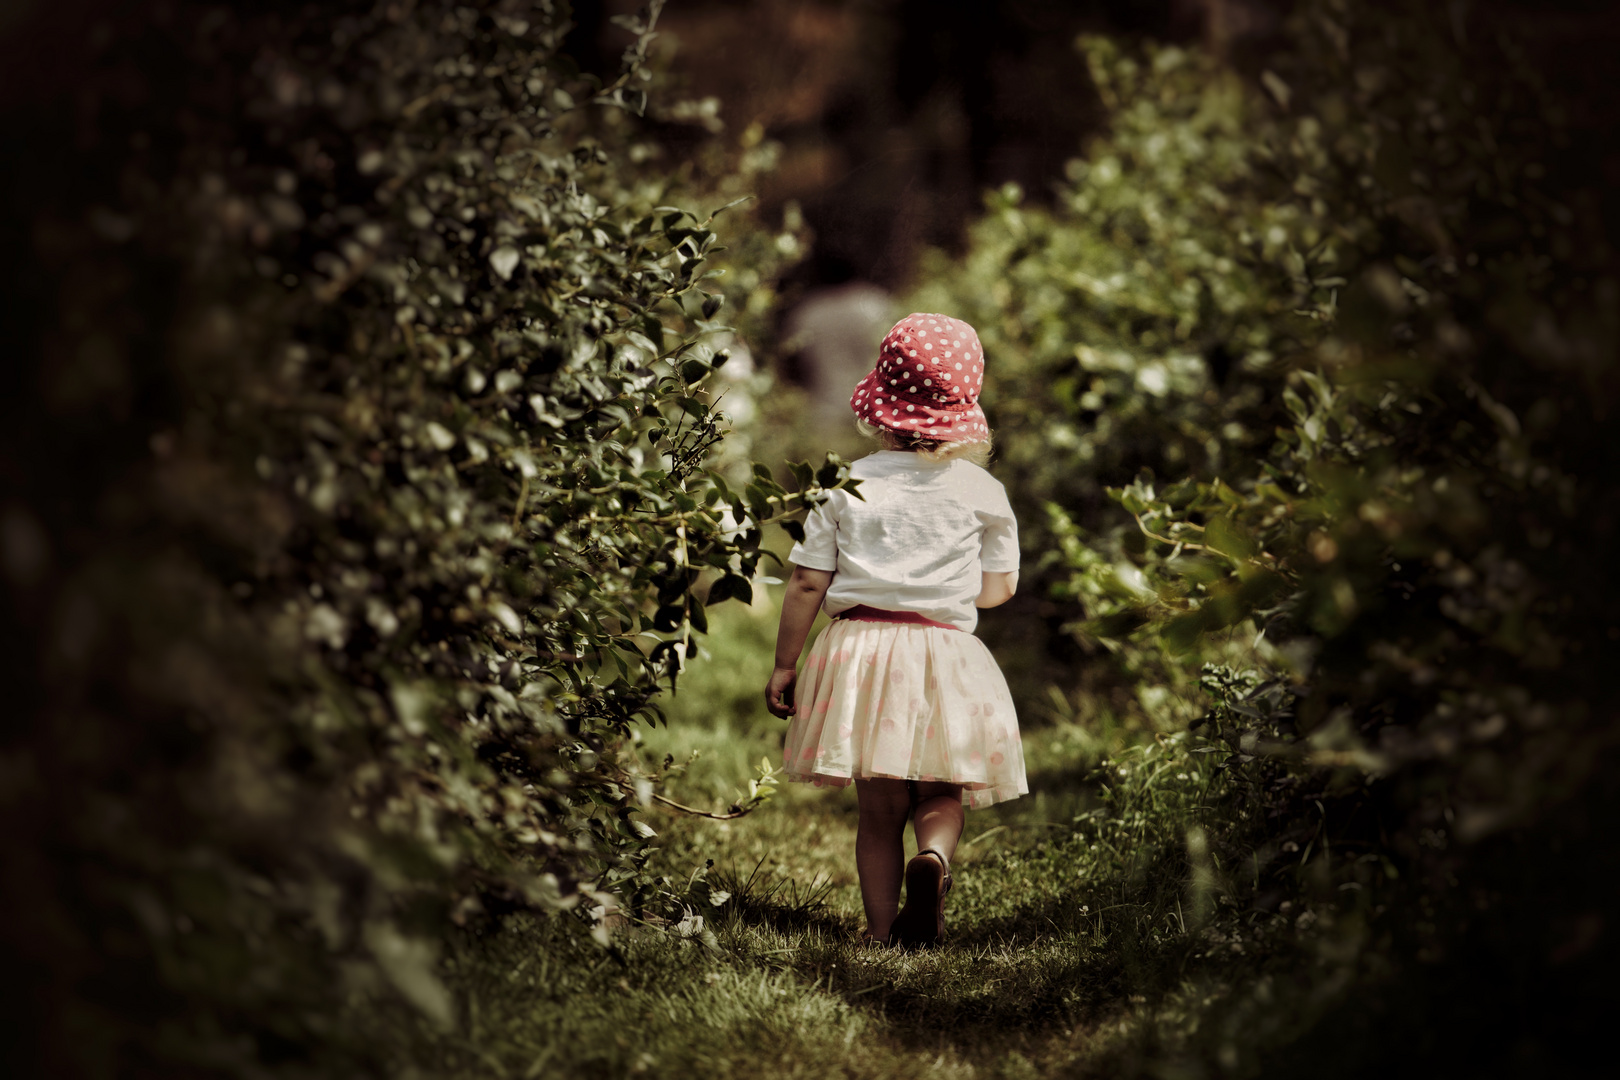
(921, 922)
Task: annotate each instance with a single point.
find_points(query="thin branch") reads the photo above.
(695, 812)
(523, 497)
(1165, 539)
(1183, 545)
(336, 287)
(1014, 825)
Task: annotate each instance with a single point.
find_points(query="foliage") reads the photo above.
(1133, 327)
(375, 512)
(1317, 370)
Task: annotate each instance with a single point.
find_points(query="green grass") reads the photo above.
(1077, 944)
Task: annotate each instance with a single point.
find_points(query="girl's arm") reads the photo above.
(997, 588)
(804, 594)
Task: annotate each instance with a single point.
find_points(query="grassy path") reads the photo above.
(779, 987)
(1038, 977)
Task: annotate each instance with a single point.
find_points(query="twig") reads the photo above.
(695, 812)
(331, 290)
(438, 93)
(1016, 824)
(523, 497)
(1150, 534)
(1181, 545)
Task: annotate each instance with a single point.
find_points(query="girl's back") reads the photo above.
(918, 537)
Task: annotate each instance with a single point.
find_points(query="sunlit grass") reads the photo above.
(1070, 948)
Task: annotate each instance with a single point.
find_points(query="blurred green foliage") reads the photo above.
(1308, 374)
(370, 508)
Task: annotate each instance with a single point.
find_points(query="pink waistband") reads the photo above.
(862, 613)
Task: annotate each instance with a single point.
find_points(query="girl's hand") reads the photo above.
(805, 591)
(779, 692)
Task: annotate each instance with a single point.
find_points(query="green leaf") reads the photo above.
(1129, 499)
(1183, 632)
(757, 506)
(734, 202)
(1226, 536)
(731, 587)
(1119, 624)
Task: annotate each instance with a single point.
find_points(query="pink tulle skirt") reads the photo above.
(911, 702)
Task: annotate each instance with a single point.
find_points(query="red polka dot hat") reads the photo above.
(927, 380)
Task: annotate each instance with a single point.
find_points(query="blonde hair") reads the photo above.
(978, 451)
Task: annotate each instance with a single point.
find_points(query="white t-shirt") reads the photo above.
(918, 539)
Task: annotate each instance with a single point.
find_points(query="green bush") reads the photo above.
(369, 506)
(1308, 374)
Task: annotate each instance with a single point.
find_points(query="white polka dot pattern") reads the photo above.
(918, 367)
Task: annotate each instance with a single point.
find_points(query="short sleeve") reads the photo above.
(819, 548)
(998, 550)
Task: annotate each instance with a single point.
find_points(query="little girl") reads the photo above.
(898, 694)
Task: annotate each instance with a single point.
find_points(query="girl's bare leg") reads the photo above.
(939, 817)
(880, 852)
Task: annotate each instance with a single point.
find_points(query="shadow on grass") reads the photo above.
(782, 904)
(1004, 979)
(1031, 950)
(1078, 778)
(1027, 954)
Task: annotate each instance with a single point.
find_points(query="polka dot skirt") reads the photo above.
(909, 702)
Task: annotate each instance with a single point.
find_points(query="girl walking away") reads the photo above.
(897, 695)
